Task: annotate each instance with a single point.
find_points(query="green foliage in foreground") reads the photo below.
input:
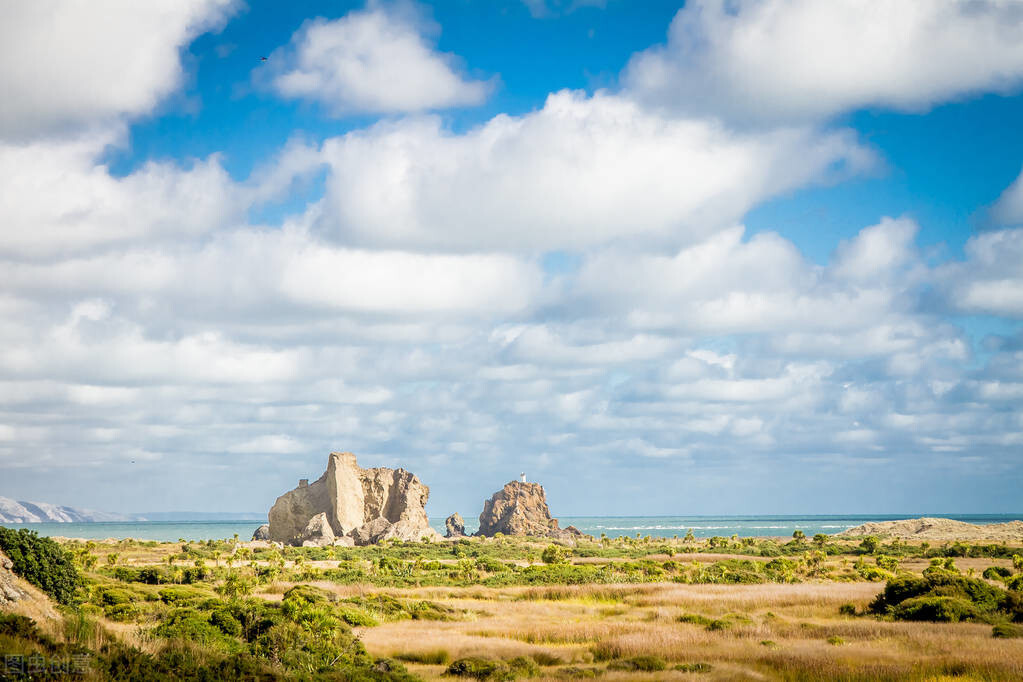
(42, 562)
(237, 642)
(945, 595)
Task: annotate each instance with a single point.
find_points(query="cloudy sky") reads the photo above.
(756, 256)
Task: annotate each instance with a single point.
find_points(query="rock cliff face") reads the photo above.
(9, 591)
(521, 509)
(367, 505)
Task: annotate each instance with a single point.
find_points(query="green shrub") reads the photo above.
(695, 619)
(937, 609)
(638, 664)
(42, 562)
(435, 657)
(1007, 630)
(19, 627)
(195, 626)
(835, 640)
(554, 554)
(997, 572)
(479, 669)
(847, 609)
(225, 621)
(523, 666)
(579, 673)
(179, 595)
(1015, 583)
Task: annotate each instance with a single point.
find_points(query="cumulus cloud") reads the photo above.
(57, 199)
(407, 315)
(990, 280)
(726, 284)
(72, 65)
(582, 170)
(797, 59)
(373, 61)
(1008, 210)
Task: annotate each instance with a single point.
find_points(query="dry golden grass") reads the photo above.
(585, 625)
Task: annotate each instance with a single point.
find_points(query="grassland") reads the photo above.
(505, 608)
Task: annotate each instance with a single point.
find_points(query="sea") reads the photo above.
(612, 526)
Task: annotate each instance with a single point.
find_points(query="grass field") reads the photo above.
(508, 608)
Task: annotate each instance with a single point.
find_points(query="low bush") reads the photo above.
(638, 664)
(42, 562)
(479, 669)
(435, 657)
(997, 573)
(1007, 630)
(944, 595)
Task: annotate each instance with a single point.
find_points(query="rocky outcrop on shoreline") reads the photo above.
(455, 526)
(520, 508)
(358, 505)
(927, 528)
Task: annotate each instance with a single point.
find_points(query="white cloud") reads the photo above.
(990, 280)
(1008, 210)
(370, 61)
(727, 285)
(784, 59)
(74, 64)
(249, 270)
(56, 199)
(581, 171)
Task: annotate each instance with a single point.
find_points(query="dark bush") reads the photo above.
(1007, 630)
(937, 609)
(997, 573)
(42, 562)
(479, 669)
(638, 664)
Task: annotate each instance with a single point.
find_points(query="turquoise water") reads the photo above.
(613, 526)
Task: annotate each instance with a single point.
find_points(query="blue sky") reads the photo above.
(743, 257)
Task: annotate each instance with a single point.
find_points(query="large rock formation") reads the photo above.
(455, 525)
(520, 508)
(262, 533)
(367, 505)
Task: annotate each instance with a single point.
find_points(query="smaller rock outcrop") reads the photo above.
(520, 508)
(317, 533)
(262, 533)
(455, 526)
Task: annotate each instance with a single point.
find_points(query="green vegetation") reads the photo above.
(42, 562)
(485, 669)
(943, 594)
(214, 610)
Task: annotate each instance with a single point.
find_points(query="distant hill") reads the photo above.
(19, 511)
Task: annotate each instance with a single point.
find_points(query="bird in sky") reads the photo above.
(262, 59)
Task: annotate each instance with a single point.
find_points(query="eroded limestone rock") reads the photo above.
(317, 533)
(367, 505)
(262, 533)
